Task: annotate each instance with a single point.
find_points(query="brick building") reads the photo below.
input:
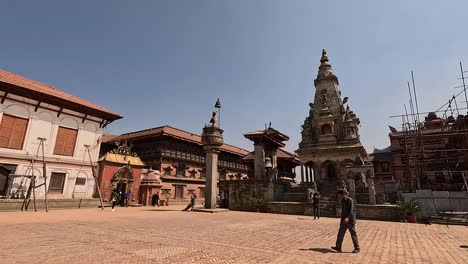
(384, 172)
(178, 155)
(434, 156)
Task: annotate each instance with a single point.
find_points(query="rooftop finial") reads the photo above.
(324, 56)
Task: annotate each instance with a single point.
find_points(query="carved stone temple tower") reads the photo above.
(330, 134)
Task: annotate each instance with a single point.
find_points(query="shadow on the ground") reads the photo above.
(464, 246)
(162, 210)
(305, 218)
(320, 250)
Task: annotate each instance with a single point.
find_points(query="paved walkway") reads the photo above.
(167, 235)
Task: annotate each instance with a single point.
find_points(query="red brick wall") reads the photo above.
(106, 172)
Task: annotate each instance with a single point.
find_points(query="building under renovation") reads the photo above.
(432, 155)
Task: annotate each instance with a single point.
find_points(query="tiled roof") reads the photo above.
(280, 154)
(22, 86)
(175, 133)
(385, 150)
(108, 137)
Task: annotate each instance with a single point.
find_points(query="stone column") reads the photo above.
(212, 140)
(318, 174)
(370, 181)
(259, 161)
(352, 187)
(211, 178)
(302, 173)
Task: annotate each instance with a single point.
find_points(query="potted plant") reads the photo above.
(409, 208)
(167, 195)
(256, 202)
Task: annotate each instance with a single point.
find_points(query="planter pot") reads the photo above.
(411, 218)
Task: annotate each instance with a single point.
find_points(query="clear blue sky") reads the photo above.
(166, 62)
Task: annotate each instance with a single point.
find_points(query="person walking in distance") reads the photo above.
(191, 205)
(127, 198)
(114, 198)
(155, 199)
(348, 221)
(315, 205)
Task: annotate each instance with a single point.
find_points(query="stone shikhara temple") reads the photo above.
(331, 152)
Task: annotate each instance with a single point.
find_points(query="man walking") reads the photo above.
(315, 205)
(348, 222)
(155, 199)
(191, 205)
(114, 198)
(127, 198)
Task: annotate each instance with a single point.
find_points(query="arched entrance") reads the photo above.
(122, 182)
(331, 171)
(4, 180)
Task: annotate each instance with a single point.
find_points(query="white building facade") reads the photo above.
(30, 111)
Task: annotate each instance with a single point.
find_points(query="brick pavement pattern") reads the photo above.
(167, 235)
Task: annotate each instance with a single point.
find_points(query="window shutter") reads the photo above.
(66, 140)
(19, 131)
(12, 132)
(70, 140)
(59, 142)
(6, 129)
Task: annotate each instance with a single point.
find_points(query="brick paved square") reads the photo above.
(167, 235)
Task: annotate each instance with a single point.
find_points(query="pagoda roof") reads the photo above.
(281, 154)
(176, 134)
(269, 134)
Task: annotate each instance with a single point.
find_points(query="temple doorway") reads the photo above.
(331, 172)
(122, 190)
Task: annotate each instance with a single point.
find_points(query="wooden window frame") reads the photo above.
(80, 181)
(61, 149)
(54, 190)
(9, 144)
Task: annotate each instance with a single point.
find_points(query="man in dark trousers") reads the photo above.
(315, 205)
(191, 205)
(348, 222)
(155, 199)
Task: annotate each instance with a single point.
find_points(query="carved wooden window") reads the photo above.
(181, 169)
(326, 129)
(167, 171)
(57, 180)
(179, 192)
(12, 132)
(65, 142)
(385, 166)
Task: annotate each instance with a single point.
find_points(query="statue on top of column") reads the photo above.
(214, 120)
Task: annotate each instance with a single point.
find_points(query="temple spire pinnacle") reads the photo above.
(325, 69)
(324, 56)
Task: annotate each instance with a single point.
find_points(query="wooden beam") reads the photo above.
(4, 97)
(84, 118)
(59, 112)
(37, 106)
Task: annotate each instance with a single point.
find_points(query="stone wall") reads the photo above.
(15, 205)
(439, 201)
(293, 208)
(384, 212)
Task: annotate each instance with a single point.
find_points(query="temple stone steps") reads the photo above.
(294, 197)
(450, 218)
